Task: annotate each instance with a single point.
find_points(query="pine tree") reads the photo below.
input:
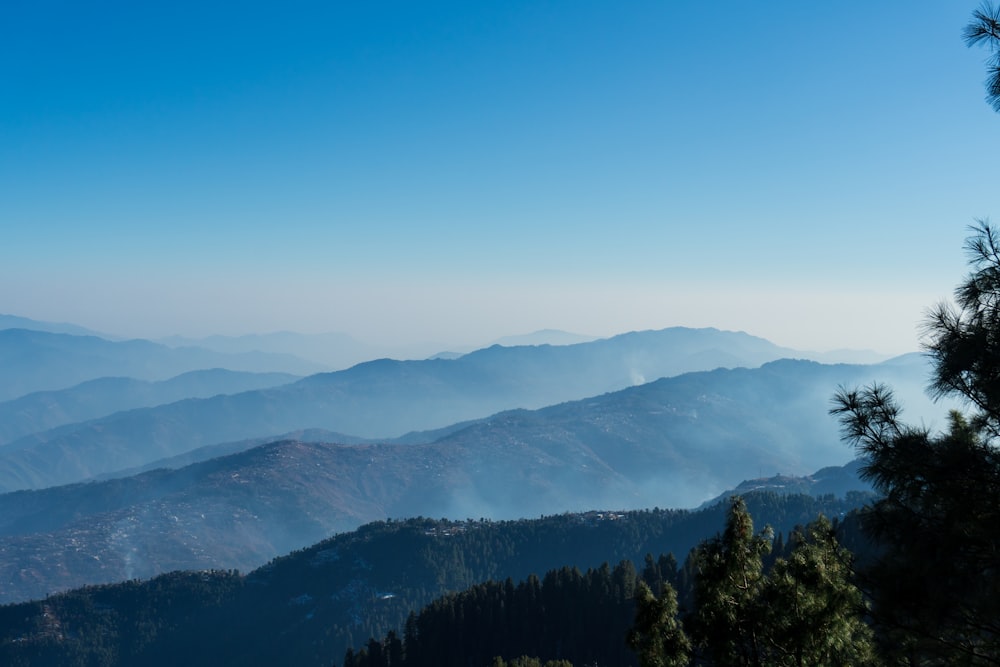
(804, 611)
(985, 30)
(651, 574)
(936, 584)
(814, 613)
(657, 636)
(726, 625)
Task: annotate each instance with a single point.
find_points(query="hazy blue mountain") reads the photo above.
(672, 443)
(234, 511)
(836, 480)
(377, 399)
(311, 435)
(39, 361)
(847, 356)
(209, 452)
(541, 337)
(16, 322)
(241, 510)
(385, 397)
(340, 350)
(45, 410)
(675, 442)
(545, 337)
(333, 350)
(306, 608)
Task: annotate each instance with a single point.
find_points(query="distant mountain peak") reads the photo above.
(18, 322)
(544, 337)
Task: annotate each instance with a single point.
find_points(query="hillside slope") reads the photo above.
(45, 410)
(42, 361)
(382, 399)
(675, 442)
(308, 607)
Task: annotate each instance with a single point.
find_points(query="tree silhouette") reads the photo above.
(805, 610)
(727, 623)
(814, 612)
(984, 30)
(657, 636)
(936, 582)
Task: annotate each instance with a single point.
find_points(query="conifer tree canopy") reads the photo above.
(984, 29)
(657, 636)
(805, 610)
(936, 583)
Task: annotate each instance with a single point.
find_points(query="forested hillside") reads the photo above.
(309, 607)
(385, 399)
(740, 598)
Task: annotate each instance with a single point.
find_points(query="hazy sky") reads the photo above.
(460, 171)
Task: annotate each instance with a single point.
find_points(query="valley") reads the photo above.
(213, 479)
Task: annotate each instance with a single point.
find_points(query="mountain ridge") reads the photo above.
(40, 361)
(308, 606)
(91, 399)
(381, 398)
(672, 443)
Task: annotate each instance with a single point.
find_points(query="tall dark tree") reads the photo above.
(726, 625)
(964, 340)
(657, 636)
(805, 611)
(984, 30)
(936, 584)
(815, 614)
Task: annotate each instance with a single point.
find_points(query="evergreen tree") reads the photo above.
(985, 30)
(651, 575)
(726, 625)
(814, 612)
(525, 661)
(393, 650)
(936, 584)
(804, 611)
(657, 636)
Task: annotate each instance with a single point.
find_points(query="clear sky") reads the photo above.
(461, 171)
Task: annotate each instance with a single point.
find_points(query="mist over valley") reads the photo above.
(222, 468)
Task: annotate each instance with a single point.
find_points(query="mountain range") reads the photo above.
(378, 399)
(338, 351)
(308, 607)
(671, 443)
(225, 468)
(45, 410)
(40, 360)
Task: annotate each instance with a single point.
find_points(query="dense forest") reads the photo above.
(309, 607)
(739, 598)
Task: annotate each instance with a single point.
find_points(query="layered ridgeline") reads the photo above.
(45, 410)
(44, 361)
(233, 495)
(672, 443)
(675, 442)
(380, 398)
(48, 359)
(239, 511)
(386, 398)
(309, 607)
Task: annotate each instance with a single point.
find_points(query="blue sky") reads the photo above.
(457, 171)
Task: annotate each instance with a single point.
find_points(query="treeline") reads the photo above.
(117, 624)
(748, 599)
(569, 615)
(932, 582)
(309, 607)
